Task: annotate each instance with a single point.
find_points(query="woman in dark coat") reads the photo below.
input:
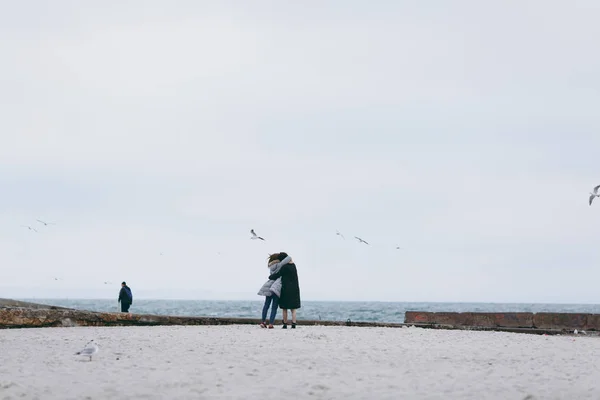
(290, 290)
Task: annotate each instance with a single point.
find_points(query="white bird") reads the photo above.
(28, 227)
(595, 194)
(108, 283)
(254, 235)
(398, 248)
(575, 331)
(360, 240)
(45, 223)
(89, 350)
(339, 234)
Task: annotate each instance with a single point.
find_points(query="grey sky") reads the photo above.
(466, 132)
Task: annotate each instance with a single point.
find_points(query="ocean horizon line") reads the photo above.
(260, 299)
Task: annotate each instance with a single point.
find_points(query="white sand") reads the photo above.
(246, 362)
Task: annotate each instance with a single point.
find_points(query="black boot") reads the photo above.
(284, 326)
(293, 325)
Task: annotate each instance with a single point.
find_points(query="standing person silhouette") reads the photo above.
(125, 297)
(290, 290)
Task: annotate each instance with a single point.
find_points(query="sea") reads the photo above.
(389, 312)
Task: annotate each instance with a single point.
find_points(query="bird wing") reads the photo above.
(260, 238)
(596, 189)
(87, 351)
(252, 232)
(592, 198)
(40, 221)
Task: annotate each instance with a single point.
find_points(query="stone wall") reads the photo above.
(27, 317)
(17, 314)
(17, 303)
(552, 321)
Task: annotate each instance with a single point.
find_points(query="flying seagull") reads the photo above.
(360, 240)
(45, 223)
(89, 350)
(339, 234)
(28, 227)
(254, 235)
(595, 194)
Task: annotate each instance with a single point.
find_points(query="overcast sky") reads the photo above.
(465, 132)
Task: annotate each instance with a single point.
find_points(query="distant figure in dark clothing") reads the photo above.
(290, 290)
(125, 297)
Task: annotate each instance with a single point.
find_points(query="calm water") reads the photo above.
(333, 311)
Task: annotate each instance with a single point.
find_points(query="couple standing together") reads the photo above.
(282, 289)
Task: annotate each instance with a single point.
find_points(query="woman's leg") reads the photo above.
(284, 311)
(266, 308)
(274, 309)
(294, 319)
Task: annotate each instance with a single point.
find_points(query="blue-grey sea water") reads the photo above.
(311, 310)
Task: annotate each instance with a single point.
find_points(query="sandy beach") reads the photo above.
(246, 362)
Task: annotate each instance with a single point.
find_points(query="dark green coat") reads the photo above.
(290, 289)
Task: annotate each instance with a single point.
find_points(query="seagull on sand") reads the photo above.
(89, 350)
(45, 223)
(360, 240)
(28, 227)
(254, 235)
(339, 234)
(595, 194)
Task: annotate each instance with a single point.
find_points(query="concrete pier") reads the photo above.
(564, 322)
(18, 314)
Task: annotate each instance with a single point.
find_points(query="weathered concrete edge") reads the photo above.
(19, 314)
(26, 304)
(21, 317)
(563, 322)
(24, 317)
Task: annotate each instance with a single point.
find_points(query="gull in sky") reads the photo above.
(45, 223)
(254, 235)
(360, 240)
(595, 194)
(28, 227)
(89, 350)
(339, 234)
